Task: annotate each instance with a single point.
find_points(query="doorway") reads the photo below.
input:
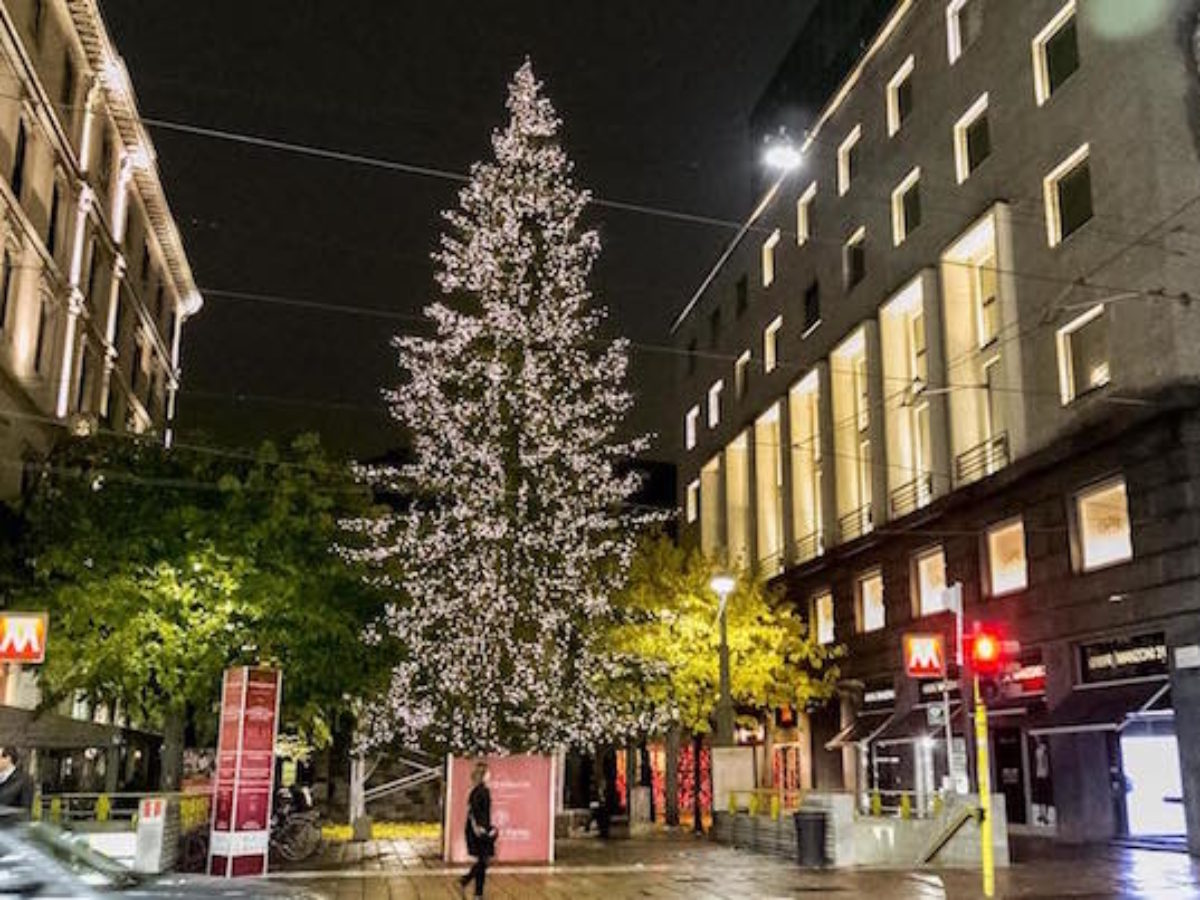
(1153, 785)
(1009, 749)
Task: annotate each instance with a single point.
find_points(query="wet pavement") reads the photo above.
(681, 866)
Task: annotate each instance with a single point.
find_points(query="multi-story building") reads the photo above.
(959, 345)
(94, 284)
(94, 281)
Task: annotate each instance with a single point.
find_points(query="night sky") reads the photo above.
(654, 95)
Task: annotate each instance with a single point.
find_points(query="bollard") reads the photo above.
(56, 810)
(36, 812)
(733, 804)
(876, 804)
(103, 808)
(775, 807)
(753, 804)
(937, 805)
(905, 807)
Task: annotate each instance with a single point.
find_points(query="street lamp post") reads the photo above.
(723, 586)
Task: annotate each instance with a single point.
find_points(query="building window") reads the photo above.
(854, 258)
(1055, 53)
(964, 24)
(693, 502)
(812, 308)
(848, 160)
(1007, 567)
(714, 403)
(714, 327)
(771, 344)
(66, 94)
(929, 577)
(18, 170)
(1083, 354)
(1068, 197)
(768, 258)
(741, 295)
(40, 339)
(900, 96)
(804, 211)
(52, 221)
(81, 394)
(1102, 519)
(691, 424)
(972, 139)
(871, 615)
(712, 520)
(984, 288)
(691, 356)
(741, 375)
(822, 617)
(6, 287)
(906, 207)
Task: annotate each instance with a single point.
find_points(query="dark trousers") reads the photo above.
(478, 871)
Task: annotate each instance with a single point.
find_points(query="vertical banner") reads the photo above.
(245, 776)
(523, 800)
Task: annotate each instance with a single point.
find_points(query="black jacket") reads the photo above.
(17, 791)
(481, 840)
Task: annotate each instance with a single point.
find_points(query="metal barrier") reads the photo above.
(73, 809)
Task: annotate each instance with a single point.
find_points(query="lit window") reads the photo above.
(972, 139)
(1055, 53)
(1068, 192)
(804, 214)
(771, 344)
(1007, 568)
(930, 581)
(848, 160)
(741, 374)
(964, 23)
(693, 502)
(900, 97)
(768, 258)
(1083, 354)
(871, 614)
(1102, 514)
(691, 424)
(987, 300)
(906, 206)
(854, 258)
(822, 614)
(714, 403)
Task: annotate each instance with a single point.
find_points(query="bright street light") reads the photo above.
(783, 157)
(723, 585)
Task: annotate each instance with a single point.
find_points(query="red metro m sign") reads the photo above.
(22, 637)
(925, 655)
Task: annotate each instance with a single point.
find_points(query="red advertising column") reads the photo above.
(245, 777)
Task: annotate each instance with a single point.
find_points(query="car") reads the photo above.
(41, 861)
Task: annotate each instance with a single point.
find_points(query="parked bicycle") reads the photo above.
(295, 826)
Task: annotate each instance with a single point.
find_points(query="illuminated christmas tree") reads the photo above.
(504, 567)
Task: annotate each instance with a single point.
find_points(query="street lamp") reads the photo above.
(783, 156)
(723, 585)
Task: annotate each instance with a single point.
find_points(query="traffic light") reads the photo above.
(991, 655)
(986, 653)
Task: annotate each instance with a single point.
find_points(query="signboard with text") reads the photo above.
(244, 781)
(1140, 656)
(22, 637)
(925, 655)
(522, 789)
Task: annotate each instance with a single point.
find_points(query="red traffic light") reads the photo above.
(990, 652)
(985, 650)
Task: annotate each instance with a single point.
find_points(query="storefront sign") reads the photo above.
(245, 777)
(22, 637)
(933, 689)
(522, 789)
(879, 694)
(925, 655)
(1132, 657)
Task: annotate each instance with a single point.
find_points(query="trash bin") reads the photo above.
(810, 837)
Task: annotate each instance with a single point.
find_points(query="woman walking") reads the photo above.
(481, 836)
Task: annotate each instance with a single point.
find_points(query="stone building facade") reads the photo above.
(958, 345)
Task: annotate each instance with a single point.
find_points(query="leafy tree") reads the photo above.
(670, 619)
(514, 405)
(160, 568)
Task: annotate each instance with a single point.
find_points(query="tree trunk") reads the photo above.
(174, 722)
(697, 806)
(671, 781)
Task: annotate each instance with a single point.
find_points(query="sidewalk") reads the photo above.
(680, 866)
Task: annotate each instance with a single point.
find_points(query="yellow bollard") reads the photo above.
(56, 810)
(753, 805)
(733, 804)
(937, 805)
(103, 808)
(876, 804)
(905, 807)
(775, 807)
(36, 812)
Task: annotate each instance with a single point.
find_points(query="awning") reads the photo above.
(1100, 708)
(914, 724)
(861, 730)
(28, 729)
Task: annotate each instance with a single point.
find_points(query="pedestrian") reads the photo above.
(481, 835)
(16, 788)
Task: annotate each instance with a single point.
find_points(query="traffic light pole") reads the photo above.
(984, 777)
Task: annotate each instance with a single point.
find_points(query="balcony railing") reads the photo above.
(809, 547)
(912, 496)
(856, 523)
(982, 460)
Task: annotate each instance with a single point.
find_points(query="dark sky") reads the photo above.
(654, 95)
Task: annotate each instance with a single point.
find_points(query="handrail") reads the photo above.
(953, 827)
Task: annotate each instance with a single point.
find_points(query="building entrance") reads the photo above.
(1153, 785)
